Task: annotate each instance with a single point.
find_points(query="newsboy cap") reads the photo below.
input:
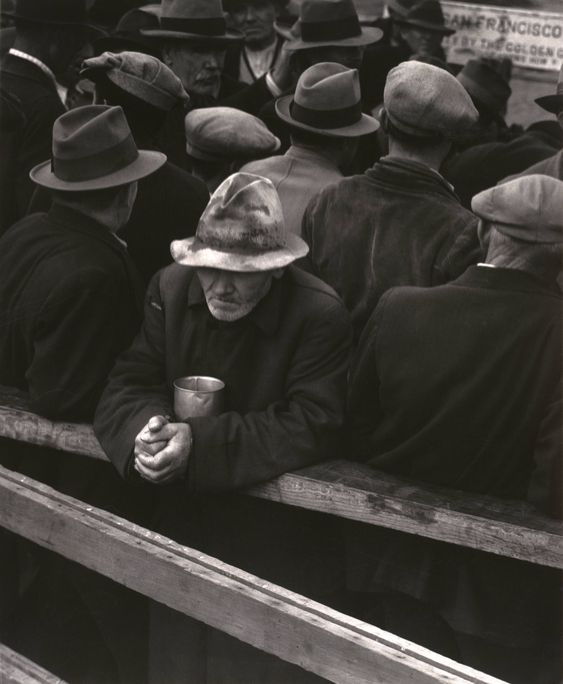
(424, 100)
(242, 229)
(223, 133)
(527, 208)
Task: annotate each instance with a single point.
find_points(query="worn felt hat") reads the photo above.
(424, 100)
(196, 20)
(527, 208)
(426, 14)
(223, 133)
(56, 12)
(140, 75)
(485, 85)
(127, 33)
(553, 103)
(242, 229)
(330, 22)
(400, 7)
(327, 101)
(93, 149)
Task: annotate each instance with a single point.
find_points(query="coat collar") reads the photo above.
(25, 69)
(506, 279)
(311, 156)
(265, 316)
(410, 175)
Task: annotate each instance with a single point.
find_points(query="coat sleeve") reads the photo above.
(136, 388)
(462, 251)
(74, 348)
(235, 450)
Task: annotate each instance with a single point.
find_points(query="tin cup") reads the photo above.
(198, 395)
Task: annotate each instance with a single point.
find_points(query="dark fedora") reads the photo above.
(328, 102)
(426, 14)
(196, 20)
(93, 149)
(485, 85)
(330, 22)
(553, 103)
(55, 12)
(127, 33)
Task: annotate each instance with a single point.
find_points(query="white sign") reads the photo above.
(531, 39)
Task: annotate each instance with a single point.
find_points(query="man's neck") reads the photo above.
(261, 44)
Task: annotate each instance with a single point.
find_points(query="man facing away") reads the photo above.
(233, 307)
(399, 223)
(460, 386)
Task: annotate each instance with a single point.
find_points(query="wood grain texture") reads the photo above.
(273, 619)
(354, 491)
(15, 669)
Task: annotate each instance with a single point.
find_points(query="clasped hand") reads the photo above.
(162, 450)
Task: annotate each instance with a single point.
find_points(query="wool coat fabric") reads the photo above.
(40, 105)
(70, 302)
(399, 223)
(456, 386)
(298, 175)
(552, 166)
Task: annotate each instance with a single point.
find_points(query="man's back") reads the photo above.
(398, 224)
(455, 381)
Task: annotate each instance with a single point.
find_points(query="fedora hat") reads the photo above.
(196, 20)
(327, 101)
(553, 103)
(426, 14)
(485, 85)
(330, 22)
(93, 149)
(127, 33)
(242, 229)
(55, 12)
(143, 76)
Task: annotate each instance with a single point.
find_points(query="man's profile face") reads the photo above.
(255, 19)
(231, 295)
(198, 66)
(421, 41)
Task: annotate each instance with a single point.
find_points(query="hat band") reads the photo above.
(331, 30)
(98, 164)
(214, 26)
(331, 118)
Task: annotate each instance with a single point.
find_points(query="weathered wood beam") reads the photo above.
(273, 619)
(15, 669)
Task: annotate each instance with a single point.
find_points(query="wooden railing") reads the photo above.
(15, 669)
(354, 491)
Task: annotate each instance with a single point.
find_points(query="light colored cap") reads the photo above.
(242, 229)
(224, 134)
(424, 100)
(529, 208)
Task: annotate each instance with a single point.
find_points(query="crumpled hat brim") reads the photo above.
(551, 103)
(193, 252)
(367, 124)
(228, 38)
(147, 162)
(368, 36)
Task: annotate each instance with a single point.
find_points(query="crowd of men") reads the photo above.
(340, 226)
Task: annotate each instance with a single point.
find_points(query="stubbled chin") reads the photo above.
(230, 313)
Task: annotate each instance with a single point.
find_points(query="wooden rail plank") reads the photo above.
(354, 491)
(275, 620)
(16, 669)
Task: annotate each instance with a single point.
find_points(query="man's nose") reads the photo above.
(212, 61)
(223, 284)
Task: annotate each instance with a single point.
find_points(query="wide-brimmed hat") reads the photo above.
(143, 76)
(553, 103)
(242, 229)
(93, 149)
(526, 208)
(223, 134)
(485, 85)
(196, 20)
(324, 23)
(127, 33)
(424, 100)
(426, 14)
(327, 101)
(72, 13)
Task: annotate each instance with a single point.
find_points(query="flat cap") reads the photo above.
(224, 133)
(140, 75)
(527, 208)
(424, 100)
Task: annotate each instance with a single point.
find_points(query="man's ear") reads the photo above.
(166, 53)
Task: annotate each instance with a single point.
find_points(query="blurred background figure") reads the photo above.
(219, 140)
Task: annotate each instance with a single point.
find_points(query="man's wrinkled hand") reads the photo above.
(170, 462)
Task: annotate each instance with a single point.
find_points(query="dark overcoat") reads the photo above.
(399, 223)
(455, 386)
